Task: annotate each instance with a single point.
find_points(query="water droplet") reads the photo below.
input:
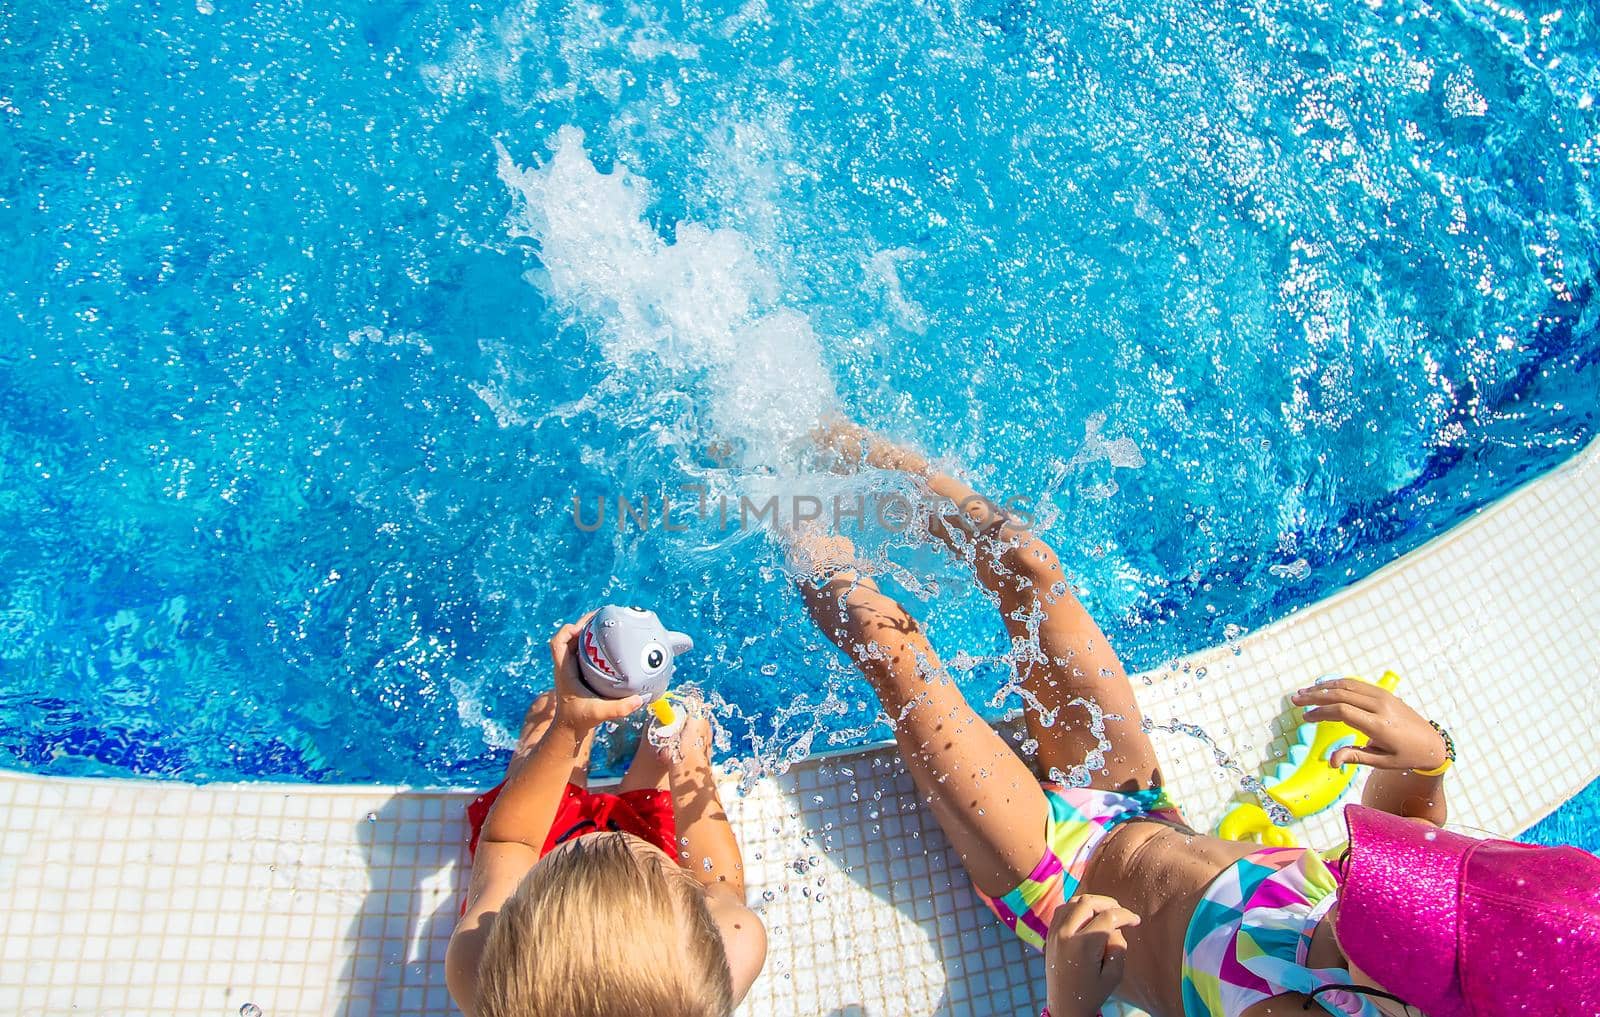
(1295, 571)
(249, 1010)
(372, 817)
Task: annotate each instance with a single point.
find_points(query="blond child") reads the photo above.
(602, 905)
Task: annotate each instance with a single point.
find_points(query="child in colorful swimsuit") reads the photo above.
(1127, 900)
(587, 905)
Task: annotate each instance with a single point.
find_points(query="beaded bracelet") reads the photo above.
(1449, 753)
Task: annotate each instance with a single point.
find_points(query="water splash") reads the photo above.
(1251, 785)
(686, 326)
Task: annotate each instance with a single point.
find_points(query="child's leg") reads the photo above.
(1071, 676)
(983, 795)
(649, 768)
(534, 724)
(1062, 657)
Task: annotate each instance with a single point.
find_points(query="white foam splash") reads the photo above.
(1122, 453)
(883, 267)
(474, 714)
(700, 314)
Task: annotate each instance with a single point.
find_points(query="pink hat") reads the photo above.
(1461, 927)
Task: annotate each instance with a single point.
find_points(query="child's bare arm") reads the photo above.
(515, 829)
(707, 847)
(527, 804)
(1400, 744)
(744, 939)
(1409, 794)
(708, 850)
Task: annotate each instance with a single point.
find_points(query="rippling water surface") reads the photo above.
(318, 317)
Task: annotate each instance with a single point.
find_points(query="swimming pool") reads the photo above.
(307, 359)
(1576, 823)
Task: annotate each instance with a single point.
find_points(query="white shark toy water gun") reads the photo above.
(626, 651)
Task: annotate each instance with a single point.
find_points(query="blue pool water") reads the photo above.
(1577, 822)
(318, 317)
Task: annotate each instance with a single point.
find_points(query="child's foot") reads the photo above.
(853, 446)
(816, 557)
(830, 578)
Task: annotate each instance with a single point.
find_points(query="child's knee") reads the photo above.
(1032, 563)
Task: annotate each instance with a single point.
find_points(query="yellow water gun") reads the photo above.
(1304, 784)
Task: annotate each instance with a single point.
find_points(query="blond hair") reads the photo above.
(605, 927)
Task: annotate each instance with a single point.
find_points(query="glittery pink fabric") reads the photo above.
(1461, 927)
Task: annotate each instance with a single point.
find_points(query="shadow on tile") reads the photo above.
(872, 824)
(415, 847)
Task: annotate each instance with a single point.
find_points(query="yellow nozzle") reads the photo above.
(1249, 821)
(663, 712)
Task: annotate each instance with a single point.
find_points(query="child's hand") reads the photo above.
(1398, 736)
(575, 708)
(1084, 953)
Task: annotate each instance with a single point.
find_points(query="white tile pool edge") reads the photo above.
(133, 897)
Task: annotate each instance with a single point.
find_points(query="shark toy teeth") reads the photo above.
(626, 651)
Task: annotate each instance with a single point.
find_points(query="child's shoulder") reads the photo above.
(744, 937)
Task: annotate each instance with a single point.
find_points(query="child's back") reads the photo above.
(1159, 872)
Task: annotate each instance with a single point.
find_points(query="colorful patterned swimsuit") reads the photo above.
(1080, 818)
(1249, 937)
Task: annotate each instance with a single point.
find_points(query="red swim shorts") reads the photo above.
(646, 813)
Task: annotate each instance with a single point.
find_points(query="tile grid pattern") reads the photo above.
(134, 898)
